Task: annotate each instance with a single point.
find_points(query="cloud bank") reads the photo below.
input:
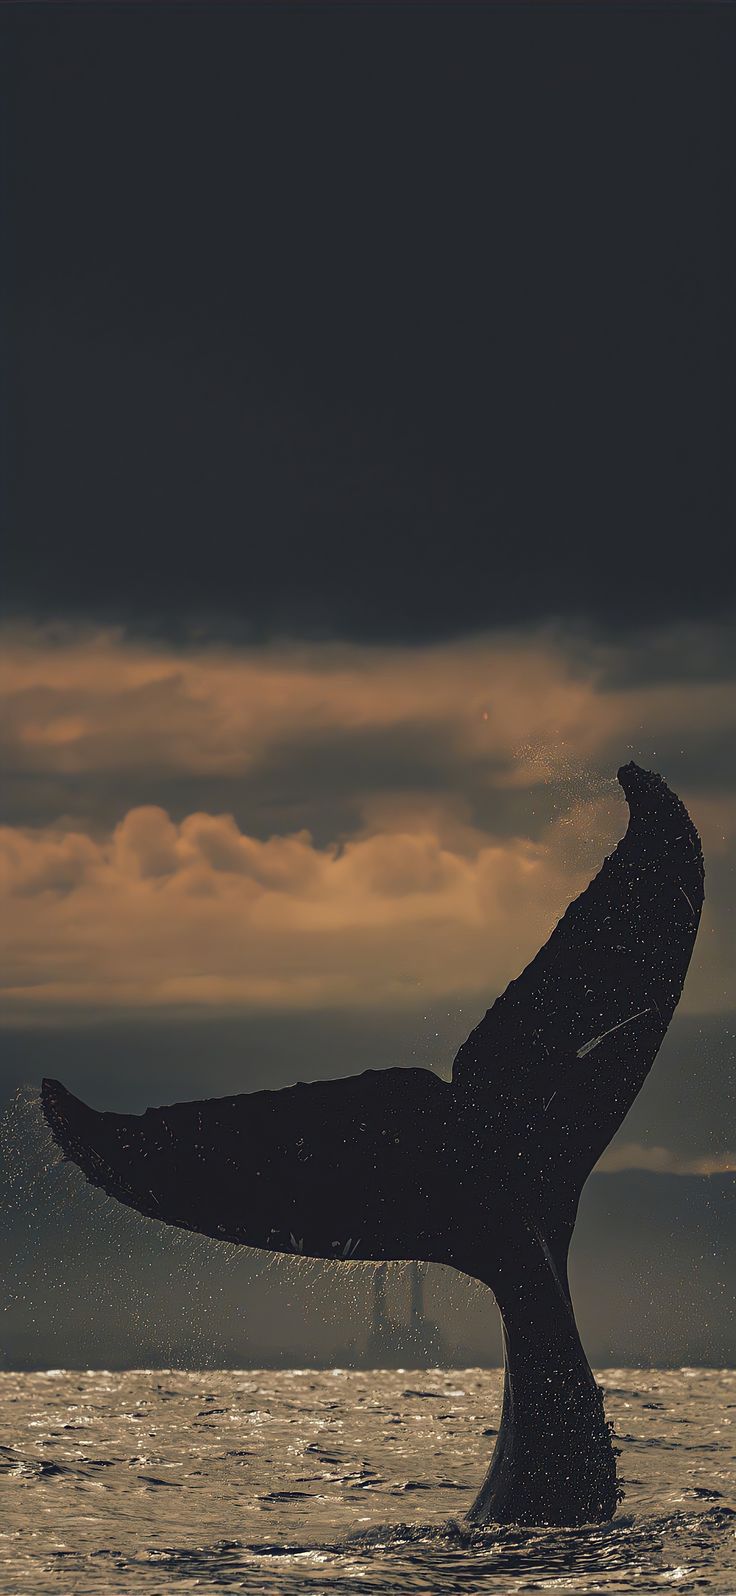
(374, 826)
(160, 914)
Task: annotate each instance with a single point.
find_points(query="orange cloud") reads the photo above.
(158, 915)
(663, 1161)
(76, 702)
(415, 899)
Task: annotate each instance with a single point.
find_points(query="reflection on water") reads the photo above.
(288, 1481)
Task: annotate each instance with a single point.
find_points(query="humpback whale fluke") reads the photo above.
(483, 1172)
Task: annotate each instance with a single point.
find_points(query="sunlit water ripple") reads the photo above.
(289, 1481)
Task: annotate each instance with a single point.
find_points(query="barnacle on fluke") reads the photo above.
(483, 1172)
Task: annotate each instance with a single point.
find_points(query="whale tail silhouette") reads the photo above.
(483, 1172)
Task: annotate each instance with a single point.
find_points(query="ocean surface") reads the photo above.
(341, 1481)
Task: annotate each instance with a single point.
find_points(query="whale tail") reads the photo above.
(483, 1172)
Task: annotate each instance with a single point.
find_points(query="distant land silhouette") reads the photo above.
(483, 1173)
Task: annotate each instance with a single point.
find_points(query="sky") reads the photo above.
(368, 457)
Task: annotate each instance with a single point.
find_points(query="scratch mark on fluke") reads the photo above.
(483, 1172)
(587, 1047)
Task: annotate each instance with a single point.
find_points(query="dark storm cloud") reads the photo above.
(369, 322)
(666, 655)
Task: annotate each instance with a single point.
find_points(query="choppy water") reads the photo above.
(298, 1481)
